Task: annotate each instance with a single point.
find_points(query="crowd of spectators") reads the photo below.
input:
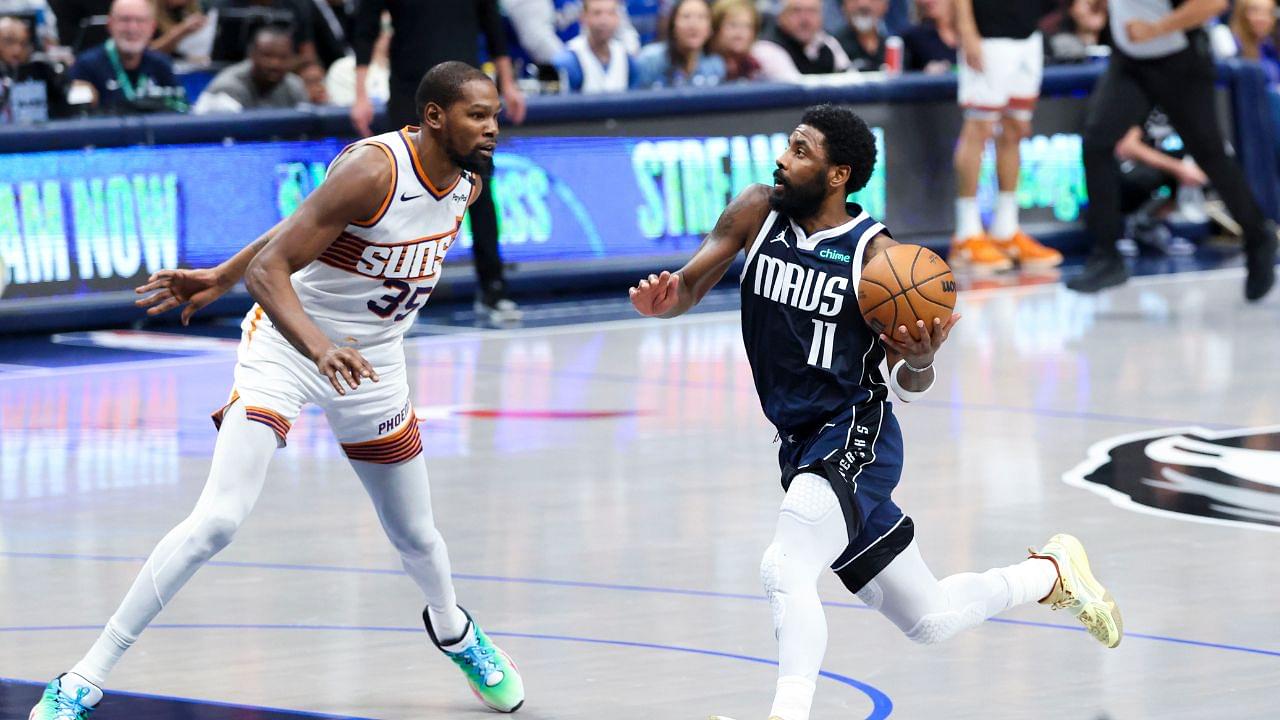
(61, 58)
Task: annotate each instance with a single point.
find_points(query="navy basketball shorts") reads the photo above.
(860, 453)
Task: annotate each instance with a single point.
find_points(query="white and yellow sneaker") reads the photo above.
(1079, 592)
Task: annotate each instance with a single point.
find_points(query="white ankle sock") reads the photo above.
(1029, 580)
(467, 639)
(102, 658)
(968, 218)
(794, 698)
(1005, 224)
(448, 624)
(72, 682)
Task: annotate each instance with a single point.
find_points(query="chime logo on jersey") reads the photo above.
(1230, 477)
(400, 262)
(800, 287)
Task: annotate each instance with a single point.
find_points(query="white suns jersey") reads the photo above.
(368, 285)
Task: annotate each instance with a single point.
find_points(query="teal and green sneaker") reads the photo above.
(492, 673)
(57, 705)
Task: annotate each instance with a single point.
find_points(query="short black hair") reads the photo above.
(847, 139)
(443, 83)
(271, 30)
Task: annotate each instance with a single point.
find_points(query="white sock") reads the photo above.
(794, 698)
(73, 682)
(968, 219)
(1005, 224)
(466, 641)
(104, 655)
(1029, 581)
(448, 624)
(239, 468)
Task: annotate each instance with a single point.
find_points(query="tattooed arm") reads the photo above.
(671, 294)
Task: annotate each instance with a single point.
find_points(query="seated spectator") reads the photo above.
(1252, 24)
(734, 27)
(313, 79)
(341, 79)
(76, 28)
(262, 81)
(1156, 178)
(810, 50)
(40, 20)
(124, 76)
(683, 58)
(596, 60)
(183, 31)
(36, 91)
(1083, 31)
(863, 34)
(238, 25)
(930, 45)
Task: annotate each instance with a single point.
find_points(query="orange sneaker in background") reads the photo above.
(1027, 252)
(978, 253)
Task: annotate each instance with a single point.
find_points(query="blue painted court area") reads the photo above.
(17, 697)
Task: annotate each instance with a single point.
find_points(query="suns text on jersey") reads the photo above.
(400, 262)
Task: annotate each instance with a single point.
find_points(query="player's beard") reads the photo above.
(475, 161)
(798, 201)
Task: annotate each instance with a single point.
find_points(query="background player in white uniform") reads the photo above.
(338, 283)
(1001, 64)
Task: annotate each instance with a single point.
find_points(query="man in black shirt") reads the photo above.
(426, 33)
(863, 35)
(1001, 63)
(1162, 57)
(127, 77)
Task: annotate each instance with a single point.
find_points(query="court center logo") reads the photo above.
(1225, 478)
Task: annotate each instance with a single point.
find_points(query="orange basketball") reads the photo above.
(903, 284)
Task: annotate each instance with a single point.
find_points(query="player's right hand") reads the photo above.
(656, 294)
(362, 116)
(195, 288)
(341, 364)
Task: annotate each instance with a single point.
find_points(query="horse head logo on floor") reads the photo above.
(1230, 477)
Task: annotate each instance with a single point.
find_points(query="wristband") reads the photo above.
(904, 394)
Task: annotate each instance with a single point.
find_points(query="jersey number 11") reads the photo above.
(824, 340)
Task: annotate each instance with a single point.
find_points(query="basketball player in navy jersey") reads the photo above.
(816, 365)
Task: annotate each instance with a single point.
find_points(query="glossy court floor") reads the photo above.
(606, 490)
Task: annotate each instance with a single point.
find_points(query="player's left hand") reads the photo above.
(1141, 31)
(513, 99)
(919, 352)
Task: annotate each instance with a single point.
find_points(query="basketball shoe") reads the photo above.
(58, 705)
(1027, 252)
(978, 253)
(491, 673)
(1079, 592)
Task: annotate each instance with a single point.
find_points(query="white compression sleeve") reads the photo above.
(929, 610)
(401, 494)
(239, 468)
(810, 535)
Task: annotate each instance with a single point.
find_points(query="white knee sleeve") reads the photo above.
(770, 572)
(810, 498)
(937, 627)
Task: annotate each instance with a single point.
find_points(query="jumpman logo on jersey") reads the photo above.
(781, 237)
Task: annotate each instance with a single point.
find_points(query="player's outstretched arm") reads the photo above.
(355, 189)
(196, 288)
(670, 294)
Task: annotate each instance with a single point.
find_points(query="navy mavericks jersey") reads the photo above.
(811, 353)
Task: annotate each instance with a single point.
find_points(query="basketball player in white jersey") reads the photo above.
(337, 284)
